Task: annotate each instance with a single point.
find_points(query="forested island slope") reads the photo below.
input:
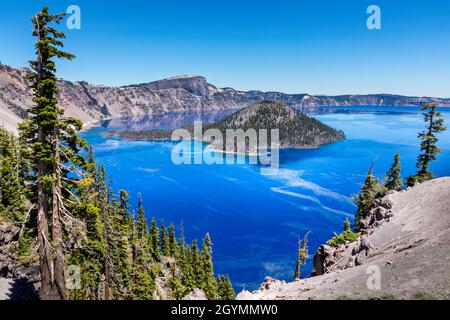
(296, 129)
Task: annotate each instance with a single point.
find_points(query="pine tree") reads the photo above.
(143, 279)
(393, 177)
(53, 145)
(209, 284)
(143, 285)
(302, 255)
(346, 236)
(173, 243)
(123, 254)
(225, 288)
(435, 124)
(196, 263)
(365, 200)
(176, 287)
(164, 241)
(95, 258)
(107, 218)
(181, 240)
(189, 281)
(154, 240)
(142, 228)
(347, 225)
(12, 189)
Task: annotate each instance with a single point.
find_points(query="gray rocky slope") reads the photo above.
(89, 102)
(404, 253)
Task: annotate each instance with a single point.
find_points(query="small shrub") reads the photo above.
(346, 236)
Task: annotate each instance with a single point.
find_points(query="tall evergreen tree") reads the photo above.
(176, 287)
(196, 263)
(76, 219)
(164, 240)
(142, 228)
(182, 240)
(143, 279)
(89, 253)
(393, 177)
(154, 240)
(225, 288)
(123, 252)
(209, 284)
(189, 280)
(366, 198)
(53, 145)
(107, 218)
(173, 243)
(435, 124)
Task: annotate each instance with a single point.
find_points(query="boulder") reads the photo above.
(319, 261)
(387, 202)
(245, 295)
(269, 283)
(196, 294)
(362, 245)
(379, 213)
(327, 258)
(8, 233)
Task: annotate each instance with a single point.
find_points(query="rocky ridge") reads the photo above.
(89, 102)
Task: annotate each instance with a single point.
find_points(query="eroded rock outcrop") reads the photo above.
(328, 259)
(405, 243)
(20, 279)
(196, 294)
(89, 102)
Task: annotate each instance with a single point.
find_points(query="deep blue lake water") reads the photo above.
(255, 220)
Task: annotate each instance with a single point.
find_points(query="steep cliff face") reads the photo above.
(90, 102)
(195, 85)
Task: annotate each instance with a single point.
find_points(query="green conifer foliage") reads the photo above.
(225, 288)
(196, 262)
(189, 280)
(12, 189)
(52, 186)
(435, 124)
(173, 242)
(143, 277)
(154, 240)
(123, 252)
(209, 284)
(346, 236)
(176, 287)
(366, 198)
(164, 241)
(302, 255)
(53, 147)
(142, 227)
(393, 177)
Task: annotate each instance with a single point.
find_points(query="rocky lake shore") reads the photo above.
(403, 253)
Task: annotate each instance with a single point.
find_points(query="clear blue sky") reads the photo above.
(317, 47)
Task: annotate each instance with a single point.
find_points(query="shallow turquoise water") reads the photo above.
(255, 220)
